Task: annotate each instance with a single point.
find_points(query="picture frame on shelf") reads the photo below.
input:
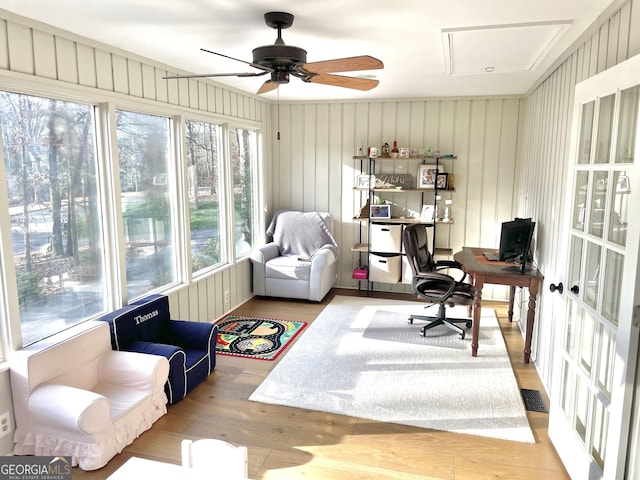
(442, 181)
(428, 213)
(427, 175)
(365, 181)
(380, 211)
(403, 153)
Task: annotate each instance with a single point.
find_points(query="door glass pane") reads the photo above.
(619, 208)
(203, 144)
(628, 125)
(244, 160)
(51, 170)
(587, 338)
(575, 261)
(598, 201)
(572, 331)
(600, 421)
(592, 274)
(614, 266)
(605, 124)
(145, 181)
(567, 388)
(582, 408)
(580, 199)
(586, 133)
(606, 357)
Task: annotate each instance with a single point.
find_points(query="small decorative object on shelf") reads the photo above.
(380, 211)
(428, 213)
(404, 153)
(365, 181)
(373, 152)
(427, 175)
(394, 150)
(447, 211)
(360, 150)
(384, 151)
(442, 181)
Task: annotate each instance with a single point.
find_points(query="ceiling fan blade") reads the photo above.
(350, 64)
(254, 65)
(342, 81)
(205, 75)
(267, 87)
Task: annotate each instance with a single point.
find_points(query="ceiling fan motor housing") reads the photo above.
(279, 57)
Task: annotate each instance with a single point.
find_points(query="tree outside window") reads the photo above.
(203, 153)
(52, 184)
(145, 179)
(244, 158)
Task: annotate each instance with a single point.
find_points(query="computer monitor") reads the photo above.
(515, 241)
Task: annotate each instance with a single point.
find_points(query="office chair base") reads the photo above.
(441, 319)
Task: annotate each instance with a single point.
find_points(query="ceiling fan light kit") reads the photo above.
(282, 61)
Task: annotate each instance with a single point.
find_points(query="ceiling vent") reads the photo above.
(499, 48)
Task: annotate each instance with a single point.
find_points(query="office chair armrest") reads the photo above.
(422, 281)
(451, 264)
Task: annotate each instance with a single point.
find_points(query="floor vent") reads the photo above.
(533, 400)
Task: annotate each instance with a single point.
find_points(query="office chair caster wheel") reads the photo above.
(469, 324)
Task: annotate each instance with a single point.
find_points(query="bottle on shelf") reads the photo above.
(394, 150)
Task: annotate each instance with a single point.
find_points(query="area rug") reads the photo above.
(255, 337)
(361, 358)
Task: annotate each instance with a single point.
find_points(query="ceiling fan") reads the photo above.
(282, 60)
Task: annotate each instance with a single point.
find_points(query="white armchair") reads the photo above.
(301, 261)
(74, 396)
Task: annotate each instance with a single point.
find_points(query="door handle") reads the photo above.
(575, 289)
(553, 287)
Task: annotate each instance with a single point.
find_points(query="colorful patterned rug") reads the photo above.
(255, 337)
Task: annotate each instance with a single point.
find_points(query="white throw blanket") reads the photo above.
(301, 233)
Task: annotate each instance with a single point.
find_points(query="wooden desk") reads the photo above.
(482, 271)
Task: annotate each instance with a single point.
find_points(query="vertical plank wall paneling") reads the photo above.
(314, 159)
(543, 161)
(39, 50)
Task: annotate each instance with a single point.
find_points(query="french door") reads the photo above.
(595, 355)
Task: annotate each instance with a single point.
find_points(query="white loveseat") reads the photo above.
(74, 396)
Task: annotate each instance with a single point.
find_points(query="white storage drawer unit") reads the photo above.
(386, 238)
(385, 269)
(407, 273)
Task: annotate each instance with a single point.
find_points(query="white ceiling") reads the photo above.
(519, 39)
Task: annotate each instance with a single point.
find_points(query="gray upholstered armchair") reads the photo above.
(301, 261)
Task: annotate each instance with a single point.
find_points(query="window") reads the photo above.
(203, 153)
(53, 200)
(147, 201)
(244, 160)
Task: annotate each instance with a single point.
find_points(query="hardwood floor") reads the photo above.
(287, 443)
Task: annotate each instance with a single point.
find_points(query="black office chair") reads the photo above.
(431, 285)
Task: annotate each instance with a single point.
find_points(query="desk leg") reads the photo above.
(512, 296)
(477, 306)
(531, 315)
